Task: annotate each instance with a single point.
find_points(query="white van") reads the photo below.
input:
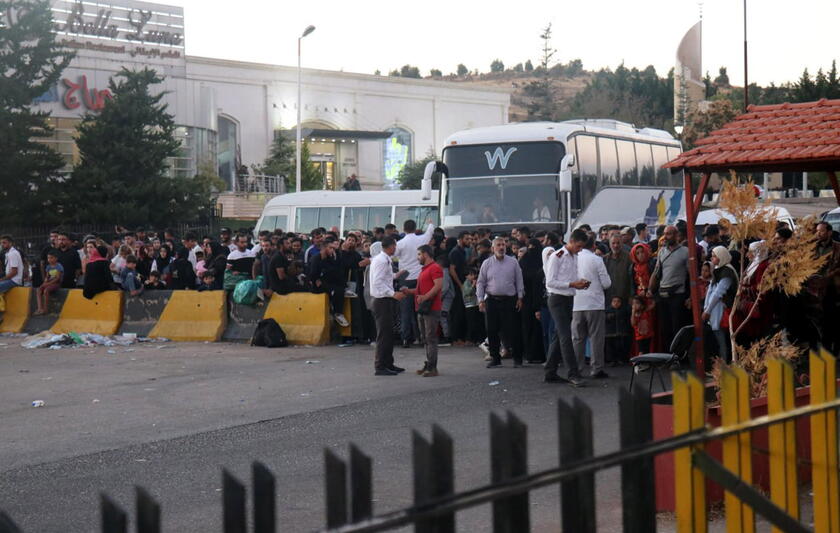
(712, 216)
(302, 212)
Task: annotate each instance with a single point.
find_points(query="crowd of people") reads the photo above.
(594, 301)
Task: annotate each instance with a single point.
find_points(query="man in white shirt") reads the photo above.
(384, 297)
(561, 282)
(190, 242)
(589, 315)
(407, 255)
(14, 265)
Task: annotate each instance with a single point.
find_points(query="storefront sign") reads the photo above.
(78, 93)
(132, 24)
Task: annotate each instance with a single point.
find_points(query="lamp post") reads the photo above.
(309, 29)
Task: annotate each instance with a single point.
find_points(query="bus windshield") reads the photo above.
(501, 200)
(503, 183)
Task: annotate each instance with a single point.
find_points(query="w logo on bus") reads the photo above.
(499, 156)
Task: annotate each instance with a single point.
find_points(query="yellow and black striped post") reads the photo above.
(782, 438)
(690, 484)
(823, 374)
(737, 455)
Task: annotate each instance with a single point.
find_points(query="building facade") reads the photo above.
(228, 112)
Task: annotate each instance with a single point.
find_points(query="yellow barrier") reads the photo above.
(304, 317)
(347, 331)
(17, 310)
(689, 414)
(101, 315)
(737, 455)
(783, 475)
(192, 316)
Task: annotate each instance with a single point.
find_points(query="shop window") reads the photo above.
(396, 153)
(227, 144)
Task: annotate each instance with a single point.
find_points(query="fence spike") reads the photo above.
(421, 453)
(782, 438)
(361, 485)
(443, 472)
(638, 491)
(148, 512)
(7, 525)
(233, 501)
(737, 453)
(520, 513)
(114, 518)
(500, 464)
(263, 488)
(689, 485)
(336, 489)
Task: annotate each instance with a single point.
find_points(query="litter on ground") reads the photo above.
(47, 339)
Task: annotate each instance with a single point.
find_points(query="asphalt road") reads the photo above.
(167, 417)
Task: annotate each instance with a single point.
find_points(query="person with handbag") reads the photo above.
(428, 304)
(668, 285)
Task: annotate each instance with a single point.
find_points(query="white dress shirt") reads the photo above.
(381, 276)
(407, 251)
(592, 268)
(560, 271)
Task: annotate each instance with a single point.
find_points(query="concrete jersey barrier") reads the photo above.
(101, 315)
(304, 317)
(192, 316)
(17, 310)
(141, 313)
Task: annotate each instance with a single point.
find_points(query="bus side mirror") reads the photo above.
(426, 185)
(565, 177)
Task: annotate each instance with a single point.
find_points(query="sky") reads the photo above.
(366, 35)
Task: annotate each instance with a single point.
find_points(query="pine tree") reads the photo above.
(31, 63)
(804, 90)
(123, 175)
(280, 160)
(542, 105)
(462, 70)
(497, 66)
(311, 178)
(833, 82)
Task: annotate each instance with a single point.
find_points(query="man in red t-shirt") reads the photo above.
(427, 304)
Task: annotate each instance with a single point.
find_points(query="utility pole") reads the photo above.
(746, 79)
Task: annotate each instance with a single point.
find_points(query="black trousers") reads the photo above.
(618, 349)
(672, 315)
(457, 317)
(383, 313)
(532, 343)
(500, 316)
(475, 325)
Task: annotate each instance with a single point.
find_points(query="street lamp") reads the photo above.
(309, 29)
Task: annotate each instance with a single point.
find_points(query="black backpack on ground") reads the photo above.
(269, 334)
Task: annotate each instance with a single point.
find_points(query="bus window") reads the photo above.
(329, 217)
(271, 223)
(627, 163)
(378, 217)
(609, 162)
(676, 180)
(588, 165)
(419, 214)
(306, 219)
(356, 218)
(644, 159)
(660, 157)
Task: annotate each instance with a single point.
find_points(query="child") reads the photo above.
(54, 274)
(705, 279)
(207, 280)
(641, 319)
(617, 335)
(154, 283)
(129, 279)
(200, 267)
(474, 320)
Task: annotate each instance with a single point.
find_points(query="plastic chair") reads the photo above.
(680, 347)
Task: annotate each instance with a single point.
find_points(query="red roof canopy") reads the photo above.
(793, 137)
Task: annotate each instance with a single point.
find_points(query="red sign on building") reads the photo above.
(93, 99)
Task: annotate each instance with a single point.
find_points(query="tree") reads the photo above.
(411, 175)
(435, 73)
(518, 68)
(377, 72)
(701, 123)
(711, 90)
(31, 63)
(497, 66)
(280, 160)
(574, 68)
(311, 178)
(462, 70)
(529, 67)
(804, 90)
(394, 73)
(542, 106)
(407, 71)
(722, 80)
(123, 175)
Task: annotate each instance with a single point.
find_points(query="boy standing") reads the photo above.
(129, 279)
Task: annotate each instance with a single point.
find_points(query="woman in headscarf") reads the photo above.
(163, 264)
(97, 273)
(641, 268)
(759, 317)
(215, 260)
(532, 276)
(720, 297)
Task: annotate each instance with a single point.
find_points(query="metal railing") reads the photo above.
(349, 487)
(259, 184)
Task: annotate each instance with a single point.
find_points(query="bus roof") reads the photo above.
(546, 131)
(352, 198)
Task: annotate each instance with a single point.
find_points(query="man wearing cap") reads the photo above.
(224, 237)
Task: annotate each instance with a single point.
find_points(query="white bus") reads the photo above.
(347, 210)
(557, 176)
